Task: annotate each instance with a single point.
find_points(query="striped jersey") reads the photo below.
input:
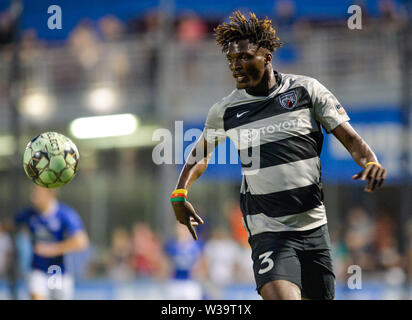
(279, 141)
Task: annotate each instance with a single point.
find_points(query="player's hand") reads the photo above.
(186, 214)
(46, 249)
(374, 174)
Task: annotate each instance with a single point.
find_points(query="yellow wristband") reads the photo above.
(373, 163)
(184, 191)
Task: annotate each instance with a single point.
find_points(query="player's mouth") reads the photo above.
(240, 77)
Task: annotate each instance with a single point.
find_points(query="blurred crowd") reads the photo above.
(372, 242)
(91, 61)
(221, 257)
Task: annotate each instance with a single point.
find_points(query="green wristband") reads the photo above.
(178, 199)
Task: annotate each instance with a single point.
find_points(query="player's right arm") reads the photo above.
(194, 167)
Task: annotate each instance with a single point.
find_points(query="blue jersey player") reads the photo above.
(55, 229)
(183, 253)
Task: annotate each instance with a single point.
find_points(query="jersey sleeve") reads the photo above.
(328, 110)
(214, 128)
(73, 222)
(22, 217)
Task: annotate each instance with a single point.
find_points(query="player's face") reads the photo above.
(41, 197)
(247, 63)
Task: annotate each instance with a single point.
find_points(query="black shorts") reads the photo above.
(301, 257)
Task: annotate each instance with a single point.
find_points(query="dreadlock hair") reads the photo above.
(259, 32)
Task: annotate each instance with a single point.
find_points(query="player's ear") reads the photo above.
(268, 58)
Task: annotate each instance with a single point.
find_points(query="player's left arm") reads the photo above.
(372, 171)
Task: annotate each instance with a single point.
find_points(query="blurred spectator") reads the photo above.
(112, 28)
(244, 267)
(34, 75)
(152, 35)
(191, 31)
(184, 254)
(6, 38)
(220, 261)
(389, 20)
(409, 250)
(358, 238)
(147, 254)
(340, 254)
(285, 14)
(24, 251)
(237, 229)
(386, 248)
(6, 30)
(120, 255)
(385, 242)
(114, 65)
(30, 41)
(6, 250)
(84, 44)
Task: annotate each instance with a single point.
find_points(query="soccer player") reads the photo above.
(275, 121)
(55, 229)
(184, 255)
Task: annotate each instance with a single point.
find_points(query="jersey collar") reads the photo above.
(278, 78)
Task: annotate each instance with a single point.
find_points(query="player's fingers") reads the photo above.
(373, 184)
(193, 213)
(372, 178)
(382, 177)
(356, 176)
(379, 176)
(365, 172)
(193, 222)
(197, 218)
(192, 230)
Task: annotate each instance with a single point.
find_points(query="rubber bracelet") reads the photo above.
(178, 199)
(180, 191)
(177, 195)
(373, 163)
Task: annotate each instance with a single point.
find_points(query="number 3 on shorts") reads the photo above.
(266, 260)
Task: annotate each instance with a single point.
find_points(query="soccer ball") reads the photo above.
(51, 160)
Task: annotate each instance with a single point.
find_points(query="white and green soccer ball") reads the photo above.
(51, 160)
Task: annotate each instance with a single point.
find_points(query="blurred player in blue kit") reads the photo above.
(184, 254)
(55, 230)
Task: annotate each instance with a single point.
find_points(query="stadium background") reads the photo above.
(158, 61)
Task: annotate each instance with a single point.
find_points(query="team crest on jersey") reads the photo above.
(340, 109)
(288, 100)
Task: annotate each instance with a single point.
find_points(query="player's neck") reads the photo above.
(264, 87)
(50, 209)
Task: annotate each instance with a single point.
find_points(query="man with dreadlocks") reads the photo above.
(275, 121)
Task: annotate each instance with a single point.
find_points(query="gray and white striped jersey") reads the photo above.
(279, 140)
